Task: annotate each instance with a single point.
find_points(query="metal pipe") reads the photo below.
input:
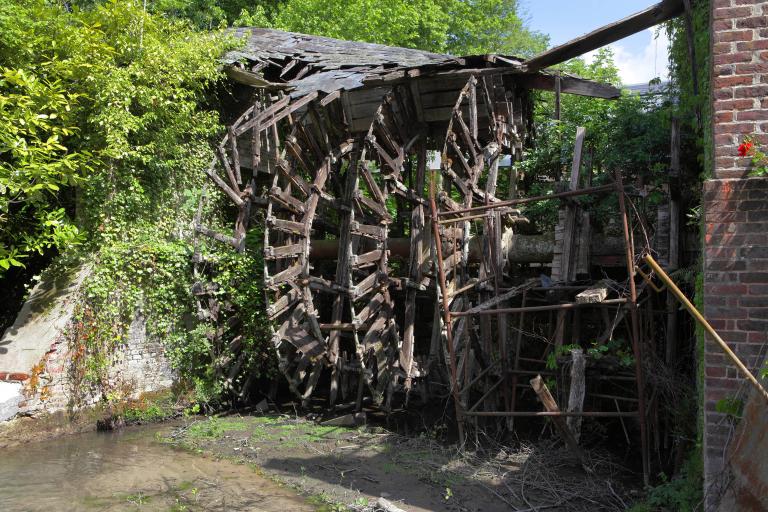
(533, 309)
(695, 313)
(589, 414)
(524, 200)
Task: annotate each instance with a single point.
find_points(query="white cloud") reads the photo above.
(641, 66)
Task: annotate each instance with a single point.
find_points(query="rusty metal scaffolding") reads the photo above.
(451, 291)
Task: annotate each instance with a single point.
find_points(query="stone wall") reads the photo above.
(736, 219)
(140, 366)
(36, 369)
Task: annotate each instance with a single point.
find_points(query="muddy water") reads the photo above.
(131, 470)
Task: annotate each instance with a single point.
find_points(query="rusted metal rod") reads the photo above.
(524, 200)
(533, 309)
(446, 310)
(588, 414)
(637, 348)
(695, 313)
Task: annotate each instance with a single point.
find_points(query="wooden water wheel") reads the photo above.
(336, 325)
(470, 172)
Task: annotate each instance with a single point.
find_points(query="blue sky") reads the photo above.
(639, 58)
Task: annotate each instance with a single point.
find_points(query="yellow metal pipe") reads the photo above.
(703, 321)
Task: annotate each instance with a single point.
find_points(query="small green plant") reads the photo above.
(730, 406)
(138, 499)
(209, 429)
(557, 353)
(616, 347)
(681, 494)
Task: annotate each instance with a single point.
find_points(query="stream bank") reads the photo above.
(349, 468)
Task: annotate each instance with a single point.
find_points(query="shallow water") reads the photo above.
(131, 470)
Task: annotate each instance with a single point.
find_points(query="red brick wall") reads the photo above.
(736, 216)
(739, 79)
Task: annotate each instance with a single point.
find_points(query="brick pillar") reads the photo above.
(736, 215)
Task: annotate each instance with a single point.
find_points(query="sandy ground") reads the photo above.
(350, 468)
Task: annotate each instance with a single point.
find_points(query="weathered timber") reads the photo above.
(549, 403)
(608, 34)
(577, 391)
(596, 293)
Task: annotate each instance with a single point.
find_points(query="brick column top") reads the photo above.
(739, 81)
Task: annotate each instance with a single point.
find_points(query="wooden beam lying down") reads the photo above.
(247, 78)
(568, 84)
(608, 34)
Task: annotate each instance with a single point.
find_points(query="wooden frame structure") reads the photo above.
(334, 148)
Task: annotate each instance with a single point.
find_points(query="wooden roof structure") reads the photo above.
(301, 65)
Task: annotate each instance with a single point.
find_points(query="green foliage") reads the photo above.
(615, 348)
(680, 494)
(37, 115)
(106, 110)
(693, 104)
(562, 350)
(453, 26)
(730, 406)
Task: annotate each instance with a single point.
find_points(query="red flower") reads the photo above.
(744, 148)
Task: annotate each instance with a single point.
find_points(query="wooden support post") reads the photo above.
(414, 271)
(566, 251)
(577, 391)
(673, 261)
(549, 403)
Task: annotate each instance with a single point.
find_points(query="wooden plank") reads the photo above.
(417, 103)
(549, 403)
(286, 275)
(415, 262)
(282, 304)
(218, 236)
(256, 141)
(568, 85)
(607, 34)
(263, 117)
(293, 177)
(288, 226)
(366, 258)
(473, 108)
(285, 251)
(286, 200)
(594, 294)
(375, 232)
(370, 310)
(211, 172)
(365, 286)
(569, 251)
(252, 79)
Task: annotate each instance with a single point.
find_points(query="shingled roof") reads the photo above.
(309, 63)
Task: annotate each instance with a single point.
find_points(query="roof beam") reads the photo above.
(568, 84)
(663, 11)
